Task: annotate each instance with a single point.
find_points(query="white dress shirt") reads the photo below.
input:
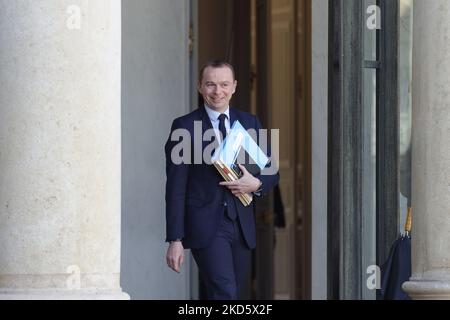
(214, 117)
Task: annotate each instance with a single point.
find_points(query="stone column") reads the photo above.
(431, 152)
(60, 149)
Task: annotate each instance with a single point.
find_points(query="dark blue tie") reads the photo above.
(229, 198)
(222, 127)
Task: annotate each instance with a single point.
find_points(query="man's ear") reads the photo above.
(235, 86)
(199, 85)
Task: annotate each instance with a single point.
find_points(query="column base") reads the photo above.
(427, 289)
(53, 294)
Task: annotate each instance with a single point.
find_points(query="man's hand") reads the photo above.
(246, 184)
(175, 255)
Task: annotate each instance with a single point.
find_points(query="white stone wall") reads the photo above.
(430, 152)
(155, 81)
(60, 149)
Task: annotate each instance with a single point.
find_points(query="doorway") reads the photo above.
(269, 43)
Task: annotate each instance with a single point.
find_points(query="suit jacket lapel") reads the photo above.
(206, 125)
(205, 119)
(233, 116)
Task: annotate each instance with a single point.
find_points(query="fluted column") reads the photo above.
(60, 168)
(431, 152)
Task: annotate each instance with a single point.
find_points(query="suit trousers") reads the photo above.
(224, 264)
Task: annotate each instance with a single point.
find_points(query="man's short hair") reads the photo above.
(216, 64)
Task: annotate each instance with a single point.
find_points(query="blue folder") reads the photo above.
(240, 148)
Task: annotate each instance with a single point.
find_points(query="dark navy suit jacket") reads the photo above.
(195, 202)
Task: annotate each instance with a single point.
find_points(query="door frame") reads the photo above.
(345, 269)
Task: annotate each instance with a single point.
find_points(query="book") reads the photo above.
(239, 148)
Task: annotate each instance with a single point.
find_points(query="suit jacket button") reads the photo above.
(224, 203)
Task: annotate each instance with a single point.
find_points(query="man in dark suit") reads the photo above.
(203, 212)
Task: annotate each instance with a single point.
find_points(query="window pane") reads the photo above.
(369, 178)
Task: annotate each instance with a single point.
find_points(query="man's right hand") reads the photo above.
(175, 255)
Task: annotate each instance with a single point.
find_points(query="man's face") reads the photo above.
(217, 87)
